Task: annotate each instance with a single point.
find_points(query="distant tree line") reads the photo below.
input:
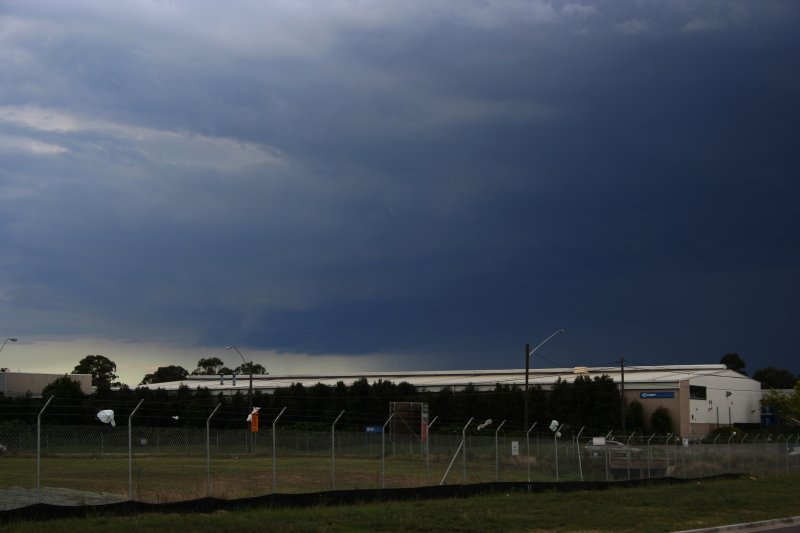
(590, 403)
(770, 377)
(212, 366)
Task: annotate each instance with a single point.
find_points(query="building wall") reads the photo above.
(21, 383)
(728, 400)
(652, 398)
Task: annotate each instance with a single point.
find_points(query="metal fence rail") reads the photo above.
(75, 465)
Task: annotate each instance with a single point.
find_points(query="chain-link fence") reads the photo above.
(78, 465)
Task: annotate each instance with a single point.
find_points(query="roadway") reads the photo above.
(778, 525)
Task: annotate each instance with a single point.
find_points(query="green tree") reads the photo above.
(735, 362)
(605, 403)
(406, 392)
(775, 378)
(587, 402)
(102, 369)
(166, 373)
(441, 401)
(506, 402)
(359, 393)
(246, 367)
(319, 398)
(560, 401)
(63, 388)
(211, 366)
(634, 416)
(537, 404)
(661, 421)
(786, 405)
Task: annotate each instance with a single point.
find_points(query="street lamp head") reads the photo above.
(12, 340)
(233, 347)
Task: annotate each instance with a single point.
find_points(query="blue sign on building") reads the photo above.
(662, 394)
(374, 429)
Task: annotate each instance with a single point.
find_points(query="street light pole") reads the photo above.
(250, 389)
(249, 392)
(3, 346)
(528, 354)
(5, 341)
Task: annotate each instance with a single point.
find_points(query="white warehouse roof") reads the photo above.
(667, 376)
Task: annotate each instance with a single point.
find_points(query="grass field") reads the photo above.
(159, 479)
(169, 464)
(650, 509)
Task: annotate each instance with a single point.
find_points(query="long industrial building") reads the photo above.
(698, 397)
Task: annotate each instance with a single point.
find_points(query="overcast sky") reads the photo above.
(399, 185)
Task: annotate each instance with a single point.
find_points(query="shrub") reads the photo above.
(634, 416)
(661, 421)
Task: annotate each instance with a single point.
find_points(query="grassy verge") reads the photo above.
(651, 509)
(159, 479)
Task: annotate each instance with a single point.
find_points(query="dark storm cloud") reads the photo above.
(451, 179)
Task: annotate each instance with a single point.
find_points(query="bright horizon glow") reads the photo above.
(134, 359)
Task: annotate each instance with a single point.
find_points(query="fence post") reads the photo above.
(743, 450)
(578, 449)
(453, 460)
(208, 449)
(274, 447)
(428, 449)
(333, 451)
(528, 448)
(383, 451)
(464, 448)
(455, 455)
(649, 456)
(497, 453)
(39, 451)
(555, 447)
(130, 450)
(630, 453)
(728, 450)
(680, 442)
(796, 440)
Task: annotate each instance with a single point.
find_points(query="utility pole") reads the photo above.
(249, 392)
(527, 366)
(622, 392)
(528, 353)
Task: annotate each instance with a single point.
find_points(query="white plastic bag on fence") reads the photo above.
(106, 416)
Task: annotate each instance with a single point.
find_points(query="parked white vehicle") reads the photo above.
(600, 445)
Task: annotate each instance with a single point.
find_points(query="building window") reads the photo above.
(696, 392)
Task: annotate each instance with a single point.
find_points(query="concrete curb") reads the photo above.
(750, 526)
